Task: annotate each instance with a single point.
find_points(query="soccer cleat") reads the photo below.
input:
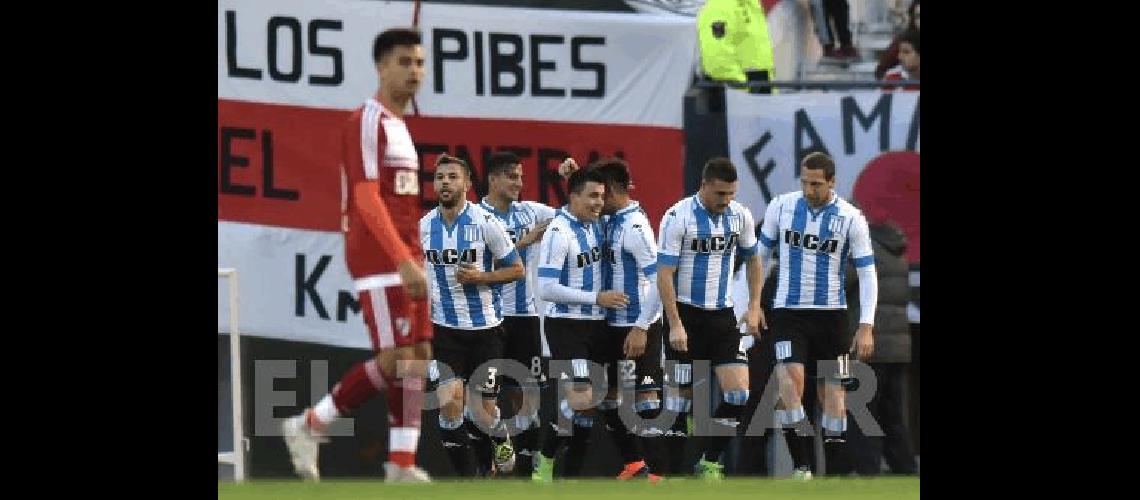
(710, 471)
(395, 474)
(637, 469)
(802, 474)
(303, 444)
(504, 457)
(543, 469)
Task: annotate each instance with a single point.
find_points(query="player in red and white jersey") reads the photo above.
(381, 205)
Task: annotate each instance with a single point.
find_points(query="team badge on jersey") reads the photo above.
(836, 223)
(407, 182)
(471, 232)
(734, 223)
(718, 29)
(404, 326)
(616, 233)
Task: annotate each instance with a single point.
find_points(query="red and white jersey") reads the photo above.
(376, 146)
(898, 73)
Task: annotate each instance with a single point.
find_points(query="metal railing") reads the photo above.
(810, 84)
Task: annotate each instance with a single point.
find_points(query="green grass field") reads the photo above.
(599, 489)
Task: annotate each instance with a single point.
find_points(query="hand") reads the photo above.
(634, 345)
(534, 235)
(567, 167)
(612, 299)
(468, 274)
(413, 278)
(754, 319)
(864, 343)
(678, 338)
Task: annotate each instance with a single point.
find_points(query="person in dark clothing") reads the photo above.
(838, 12)
(891, 359)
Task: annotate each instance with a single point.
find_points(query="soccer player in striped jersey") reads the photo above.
(817, 231)
(635, 331)
(570, 280)
(467, 251)
(699, 237)
(381, 203)
(525, 222)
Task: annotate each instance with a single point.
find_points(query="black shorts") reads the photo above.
(462, 351)
(577, 339)
(713, 336)
(522, 343)
(644, 372)
(804, 335)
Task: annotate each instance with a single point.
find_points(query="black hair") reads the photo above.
(501, 161)
(719, 168)
(392, 38)
(580, 177)
(445, 158)
(615, 171)
(819, 160)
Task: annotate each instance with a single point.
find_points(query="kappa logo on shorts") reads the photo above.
(403, 326)
(647, 380)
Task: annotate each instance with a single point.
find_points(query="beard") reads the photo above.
(449, 203)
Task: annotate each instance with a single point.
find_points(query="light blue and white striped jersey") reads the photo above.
(701, 246)
(477, 237)
(814, 248)
(630, 254)
(572, 252)
(520, 219)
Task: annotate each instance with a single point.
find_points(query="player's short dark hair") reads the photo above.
(501, 161)
(719, 168)
(615, 171)
(819, 160)
(445, 158)
(911, 37)
(580, 177)
(391, 38)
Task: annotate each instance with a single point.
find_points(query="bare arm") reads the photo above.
(678, 337)
(754, 316)
(668, 293)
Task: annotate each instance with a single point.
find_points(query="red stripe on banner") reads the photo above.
(278, 165)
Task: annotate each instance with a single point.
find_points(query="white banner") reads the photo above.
(768, 135)
(293, 285)
(483, 62)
